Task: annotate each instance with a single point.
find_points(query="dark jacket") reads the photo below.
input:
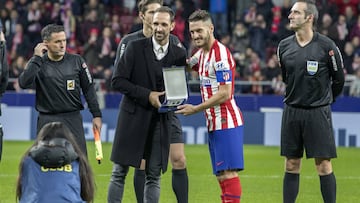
(135, 77)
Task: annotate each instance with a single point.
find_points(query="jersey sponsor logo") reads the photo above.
(205, 82)
(312, 67)
(220, 66)
(70, 84)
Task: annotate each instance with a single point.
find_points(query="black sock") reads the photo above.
(290, 187)
(139, 184)
(180, 184)
(328, 188)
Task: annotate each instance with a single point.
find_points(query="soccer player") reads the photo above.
(177, 155)
(216, 68)
(312, 70)
(55, 169)
(4, 76)
(143, 132)
(59, 78)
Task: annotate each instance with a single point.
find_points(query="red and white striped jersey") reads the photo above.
(215, 68)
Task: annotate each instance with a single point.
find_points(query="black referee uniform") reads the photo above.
(58, 87)
(314, 77)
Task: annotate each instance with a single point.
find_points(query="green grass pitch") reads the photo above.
(261, 180)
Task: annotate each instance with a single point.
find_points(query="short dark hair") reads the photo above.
(311, 9)
(200, 15)
(165, 9)
(142, 5)
(49, 29)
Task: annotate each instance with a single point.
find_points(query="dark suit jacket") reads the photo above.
(134, 77)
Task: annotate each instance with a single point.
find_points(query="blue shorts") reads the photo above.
(226, 149)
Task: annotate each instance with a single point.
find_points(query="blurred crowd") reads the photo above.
(95, 27)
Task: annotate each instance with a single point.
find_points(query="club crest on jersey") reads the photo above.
(226, 76)
(312, 67)
(70, 84)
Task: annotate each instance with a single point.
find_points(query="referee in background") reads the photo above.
(312, 69)
(59, 79)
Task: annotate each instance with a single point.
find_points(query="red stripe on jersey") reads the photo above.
(232, 112)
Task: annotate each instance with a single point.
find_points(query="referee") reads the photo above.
(59, 79)
(312, 70)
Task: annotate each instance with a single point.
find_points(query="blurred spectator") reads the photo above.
(107, 46)
(342, 32)
(348, 57)
(11, 26)
(240, 38)
(180, 21)
(271, 73)
(16, 68)
(95, 5)
(115, 26)
(90, 49)
(327, 28)
(355, 30)
(250, 15)
(69, 22)
(258, 36)
(34, 26)
(19, 44)
(350, 17)
(264, 8)
(218, 10)
(355, 85)
(91, 22)
(356, 62)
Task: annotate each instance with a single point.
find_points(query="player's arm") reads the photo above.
(336, 70)
(223, 94)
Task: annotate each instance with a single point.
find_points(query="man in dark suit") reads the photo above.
(143, 132)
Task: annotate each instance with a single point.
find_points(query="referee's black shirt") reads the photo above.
(59, 84)
(313, 74)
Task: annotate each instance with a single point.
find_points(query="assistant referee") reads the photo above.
(59, 79)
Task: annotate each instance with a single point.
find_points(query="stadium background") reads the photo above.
(250, 28)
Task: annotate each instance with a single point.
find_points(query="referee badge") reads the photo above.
(70, 84)
(312, 67)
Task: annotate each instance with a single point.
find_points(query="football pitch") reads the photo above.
(261, 180)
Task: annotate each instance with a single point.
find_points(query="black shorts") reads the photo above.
(176, 131)
(72, 120)
(309, 129)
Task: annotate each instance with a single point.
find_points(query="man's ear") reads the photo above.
(141, 15)
(172, 26)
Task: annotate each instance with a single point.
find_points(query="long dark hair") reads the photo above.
(59, 130)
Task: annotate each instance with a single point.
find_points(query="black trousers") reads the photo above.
(73, 120)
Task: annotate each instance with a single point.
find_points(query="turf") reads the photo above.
(261, 179)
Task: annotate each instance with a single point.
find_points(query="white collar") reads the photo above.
(157, 45)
